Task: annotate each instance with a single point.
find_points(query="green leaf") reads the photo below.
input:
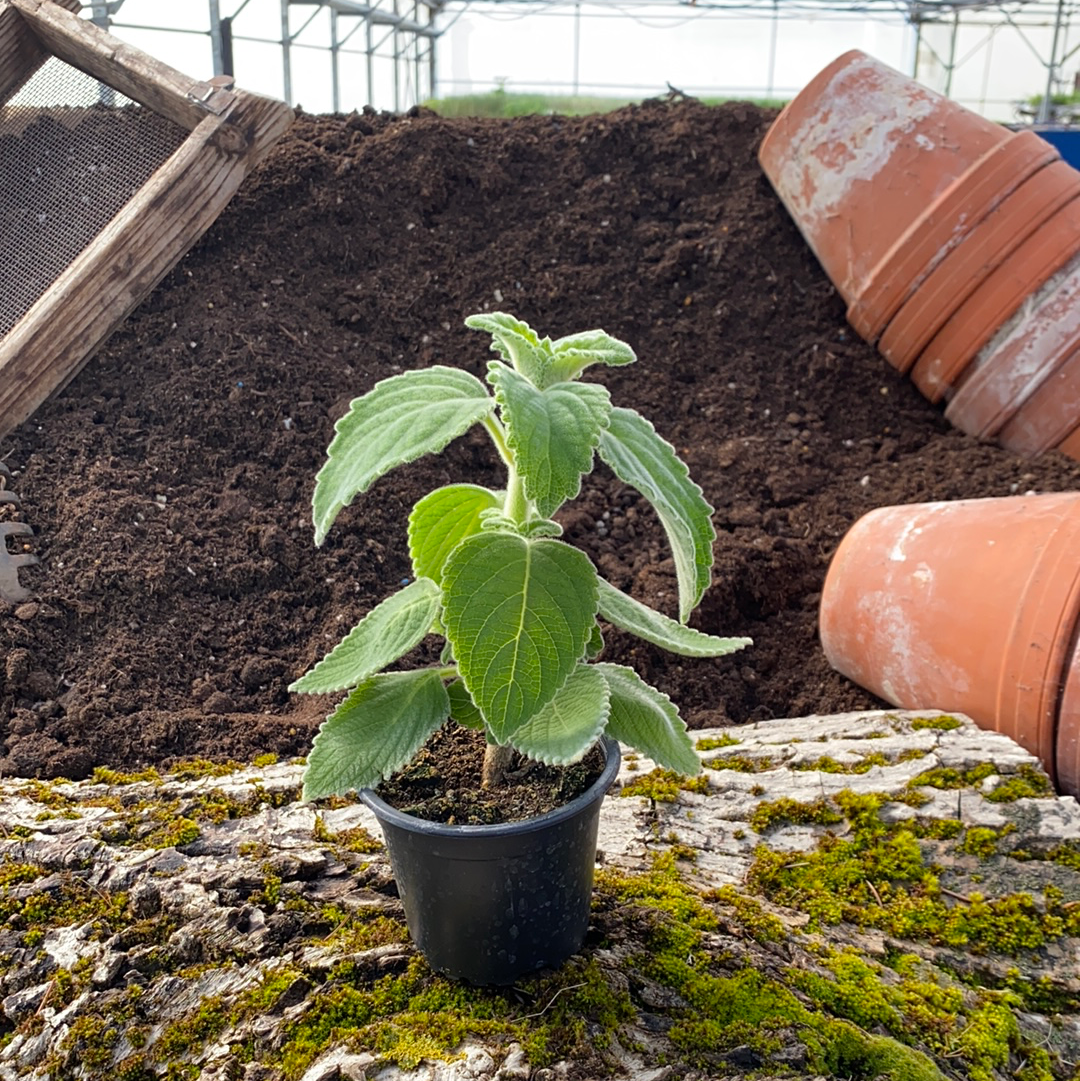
(375, 731)
(552, 433)
(646, 719)
(563, 730)
(398, 420)
(596, 643)
(442, 520)
(463, 708)
(516, 342)
(645, 622)
(386, 633)
(518, 613)
(641, 458)
(574, 353)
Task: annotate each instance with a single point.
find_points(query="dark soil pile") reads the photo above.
(179, 590)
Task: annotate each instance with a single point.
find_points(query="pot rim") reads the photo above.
(391, 815)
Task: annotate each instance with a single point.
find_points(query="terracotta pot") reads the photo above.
(968, 606)
(1012, 382)
(947, 223)
(988, 243)
(1070, 445)
(1068, 737)
(864, 152)
(997, 300)
(1049, 416)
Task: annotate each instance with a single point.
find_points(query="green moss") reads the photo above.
(194, 769)
(786, 811)
(982, 841)
(938, 829)
(740, 762)
(746, 1008)
(1026, 783)
(353, 840)
(853, 1053)
(101, 775)
(664, 785)
(173, 834)
(875, 876)
(826, 764)
(263, 760)
(714, 743)
(188, 1034)
(953, 778)
(14, 874)
(269, 895)
(944, 723)
(760, 925)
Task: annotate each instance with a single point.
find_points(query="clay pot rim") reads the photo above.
(978, 406)
(947, 222)
(958, 279)
(1002, 292)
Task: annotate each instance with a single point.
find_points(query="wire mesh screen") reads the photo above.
(73, 151)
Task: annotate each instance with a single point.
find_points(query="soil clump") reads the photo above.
(179, 591)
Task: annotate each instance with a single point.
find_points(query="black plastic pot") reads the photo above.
(490, 904)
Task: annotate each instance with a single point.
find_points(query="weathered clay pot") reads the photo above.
(1011, 384)
(987, 244)
(1068, 737)
(997, 300)
(898, 293)
(968, 606)
(861, 155)
(1070, 445)
(1050, 415)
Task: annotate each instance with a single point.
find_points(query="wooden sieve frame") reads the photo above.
(230, 132)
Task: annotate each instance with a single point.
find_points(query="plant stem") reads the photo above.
(496, 763)
(516, 507)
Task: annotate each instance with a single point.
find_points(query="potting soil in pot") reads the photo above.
(168, 486)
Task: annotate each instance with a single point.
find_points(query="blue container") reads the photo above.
(1066, 140)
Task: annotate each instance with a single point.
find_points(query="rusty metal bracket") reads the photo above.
(11, 589)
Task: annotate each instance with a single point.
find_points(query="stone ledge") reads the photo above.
(192, 923)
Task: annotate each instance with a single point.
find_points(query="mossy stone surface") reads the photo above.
(858, 899)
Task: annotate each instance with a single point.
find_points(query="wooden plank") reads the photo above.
(21, 53)
(56, 337)
(144, 79)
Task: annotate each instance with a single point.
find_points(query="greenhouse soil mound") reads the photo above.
(169, 485)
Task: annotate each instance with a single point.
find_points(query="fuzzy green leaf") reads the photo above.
(516, 342)
(518, 613)
(641, 458)
(442, 520)
(573, 354)
(637, 618)
(398, 420)
(552, 433)
(463, 708)
(563, 730)
(596, 643)
(386, 633)
(375, 731)
(646, 719)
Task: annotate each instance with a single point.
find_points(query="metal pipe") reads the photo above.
(1046, 106)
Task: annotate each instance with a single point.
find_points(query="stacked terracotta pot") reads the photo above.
(971, 606)
(954, 241)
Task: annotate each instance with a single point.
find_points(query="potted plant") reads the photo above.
(518, 609)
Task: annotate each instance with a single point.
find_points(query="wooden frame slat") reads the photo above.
(21, 53)
(123, 67)
(231, 132)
